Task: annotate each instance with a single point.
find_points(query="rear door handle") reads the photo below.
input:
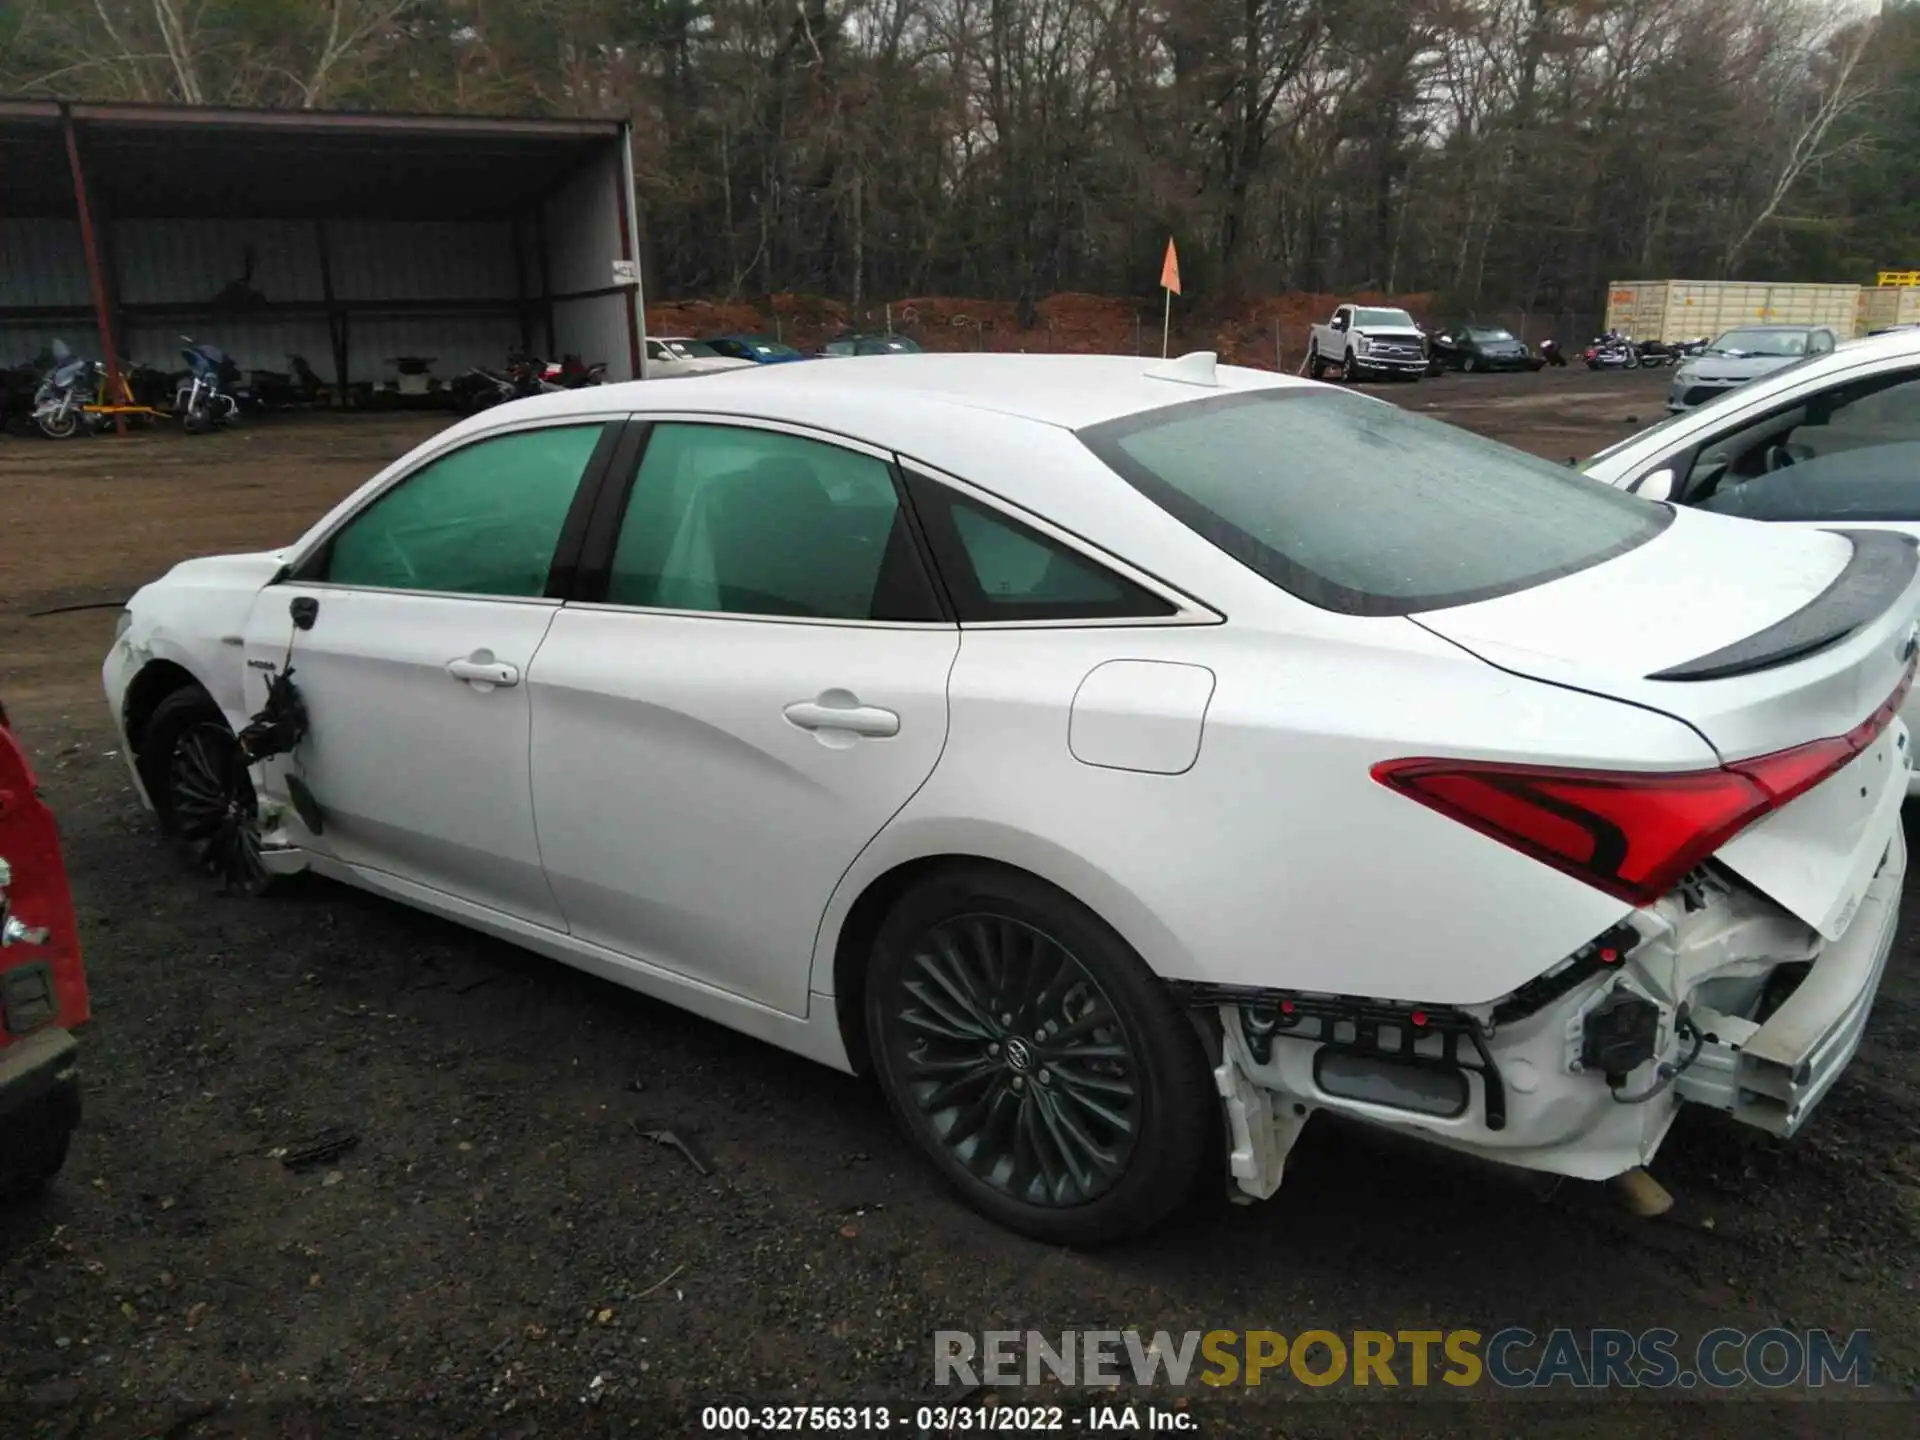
(482, 671)
(837, 710)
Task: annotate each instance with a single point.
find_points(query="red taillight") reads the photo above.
(1633, 834)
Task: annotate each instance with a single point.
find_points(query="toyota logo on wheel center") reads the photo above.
(1019, 1057)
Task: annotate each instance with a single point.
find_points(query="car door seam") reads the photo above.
(946, 739)
(533, 803)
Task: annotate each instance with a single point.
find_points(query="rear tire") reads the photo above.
(37, 1149)
(1035, 1059)
(1316, 368)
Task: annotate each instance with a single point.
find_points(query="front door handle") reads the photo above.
(842, 711)
(482, 671)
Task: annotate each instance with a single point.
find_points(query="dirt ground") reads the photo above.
(503, 1253)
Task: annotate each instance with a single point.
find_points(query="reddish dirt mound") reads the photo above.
(1260, 331)
(701, 318)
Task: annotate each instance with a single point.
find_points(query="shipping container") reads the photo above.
(1682, 309)
(1888, 306)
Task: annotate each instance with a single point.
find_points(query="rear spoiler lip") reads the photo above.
(1882, 567)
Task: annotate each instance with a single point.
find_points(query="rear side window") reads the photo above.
(1358, 506)
(998, 570)
(738, 521)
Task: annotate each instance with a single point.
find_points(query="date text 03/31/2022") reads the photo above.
(946, 1419)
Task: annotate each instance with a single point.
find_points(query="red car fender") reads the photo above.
(39, 896)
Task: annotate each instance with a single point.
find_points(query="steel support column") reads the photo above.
(96, 274)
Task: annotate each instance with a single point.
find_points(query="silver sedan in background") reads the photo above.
(1741, 355)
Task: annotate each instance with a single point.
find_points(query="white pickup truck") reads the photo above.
(1367, 340)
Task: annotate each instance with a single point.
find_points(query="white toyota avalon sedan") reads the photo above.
(1121, 760)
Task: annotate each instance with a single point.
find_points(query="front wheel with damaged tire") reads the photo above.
(192, 764)
(1034, 1058)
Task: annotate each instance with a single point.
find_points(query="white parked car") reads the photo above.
(1830, 443)
(1047, 735)
(674, 357)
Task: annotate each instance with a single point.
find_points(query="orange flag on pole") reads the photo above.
(1170, 269)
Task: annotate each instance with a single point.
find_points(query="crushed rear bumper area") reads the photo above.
(1715, 996)
(1771, 1074)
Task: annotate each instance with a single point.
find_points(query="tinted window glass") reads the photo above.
(1358, 506)
(1000, 570)
(1850, 452)
(753, 522)
(483, 520)
(1384, 317)
(1878, 484)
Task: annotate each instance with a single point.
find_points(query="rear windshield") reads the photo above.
(1356, 505)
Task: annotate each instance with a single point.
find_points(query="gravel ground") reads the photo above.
(503, 1252)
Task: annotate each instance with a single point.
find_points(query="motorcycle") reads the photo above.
(209, 395)
(1654, 353)
(1612, 351)
(571, 374)
(67, 387)
(481, 389)
(1696, 346)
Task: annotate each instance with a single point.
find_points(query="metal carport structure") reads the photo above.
(356, 236)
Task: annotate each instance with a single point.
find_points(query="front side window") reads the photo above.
(1359, 506)
(741, 521)
(1848, 453)
(483, 520)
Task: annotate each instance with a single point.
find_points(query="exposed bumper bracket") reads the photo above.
(1772, 1075)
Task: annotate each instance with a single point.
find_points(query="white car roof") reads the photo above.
(1067, 391)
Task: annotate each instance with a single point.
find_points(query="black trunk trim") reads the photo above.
(1883, 566)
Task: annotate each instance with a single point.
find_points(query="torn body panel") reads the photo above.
(1746, 1008)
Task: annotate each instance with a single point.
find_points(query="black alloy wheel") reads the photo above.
(1017, 1061)
(214, 810)
(191, 764)
(1035, 1059)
